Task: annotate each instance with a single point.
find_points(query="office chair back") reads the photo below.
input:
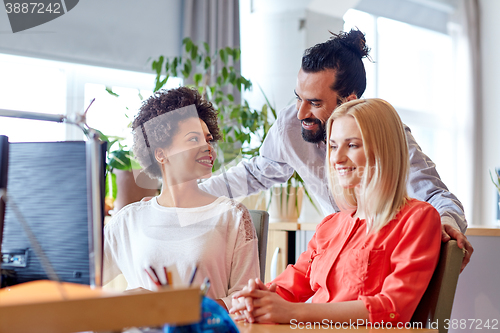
(260, 219)
(435, 305)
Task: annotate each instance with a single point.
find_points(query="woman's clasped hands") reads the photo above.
(259, 304)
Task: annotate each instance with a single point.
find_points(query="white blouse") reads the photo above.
(219, 237)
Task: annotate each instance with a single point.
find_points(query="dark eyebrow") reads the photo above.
(309, 100)
(192, 132)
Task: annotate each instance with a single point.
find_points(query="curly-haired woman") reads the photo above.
(174, 133)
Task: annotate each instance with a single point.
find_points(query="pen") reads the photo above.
(205, 286)
(166, 275)
(156, 275)
(193, 273)
(156, 282)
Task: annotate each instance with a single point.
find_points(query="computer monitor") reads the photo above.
(49, 183)
(4, 155)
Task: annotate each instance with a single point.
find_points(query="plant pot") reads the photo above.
(255, 201)
(128, 190)
(308, 213)
(285, 203)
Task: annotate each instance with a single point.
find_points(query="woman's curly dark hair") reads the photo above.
(151, 131)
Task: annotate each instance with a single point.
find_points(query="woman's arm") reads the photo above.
(110, 269)
(271, 308)
(221, 303)
(412, 262)
(292, 285)
(245, 257)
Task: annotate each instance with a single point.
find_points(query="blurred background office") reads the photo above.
(434, 60)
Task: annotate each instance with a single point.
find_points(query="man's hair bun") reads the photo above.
(354, 40)
(343, 53)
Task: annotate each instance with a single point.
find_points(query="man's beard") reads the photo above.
(314, 136)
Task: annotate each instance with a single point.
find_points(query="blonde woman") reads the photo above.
(373, 260)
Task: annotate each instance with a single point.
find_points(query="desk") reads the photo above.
(265, 328)
(45, 306)
(474, 230)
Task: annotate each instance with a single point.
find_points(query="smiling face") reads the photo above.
(347, 154)
(315, 102)
(191, 155)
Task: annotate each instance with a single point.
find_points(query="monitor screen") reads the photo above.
(48, 187)
(4, 154)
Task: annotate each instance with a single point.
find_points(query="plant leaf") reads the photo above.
(194, 52)
(110, 91)
(188, 44)
(208, 62)
(197, 78)
(225, 73)
(497, 183)
(236, 54)
(223, 56)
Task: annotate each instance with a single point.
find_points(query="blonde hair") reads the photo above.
(383, 185)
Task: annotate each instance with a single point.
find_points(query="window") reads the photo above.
(413, 69)
(31, 85)
(110, 114)
(63, 88)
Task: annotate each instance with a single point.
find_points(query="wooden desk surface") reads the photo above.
(474, 230)
(285, 226)
(265, 328)
(46, 306)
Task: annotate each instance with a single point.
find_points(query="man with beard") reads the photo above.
(331, 73)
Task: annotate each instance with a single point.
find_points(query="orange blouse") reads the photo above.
(388, 270)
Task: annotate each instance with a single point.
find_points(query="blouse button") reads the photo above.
(310, 260)
(392, 315)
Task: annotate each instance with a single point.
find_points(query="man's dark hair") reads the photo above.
(160, 132)
(343, 53)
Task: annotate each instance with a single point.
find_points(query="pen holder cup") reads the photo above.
(213, 319)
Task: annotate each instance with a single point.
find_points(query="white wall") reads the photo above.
(490, 133)
(274, 35)
(112, 33)
(272, 42)
(478, 297)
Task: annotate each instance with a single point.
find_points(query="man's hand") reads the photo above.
(448, 232)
